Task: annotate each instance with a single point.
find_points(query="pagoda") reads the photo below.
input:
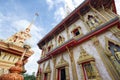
(12, 49)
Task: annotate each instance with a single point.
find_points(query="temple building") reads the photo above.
(12, 49)
(85, 45)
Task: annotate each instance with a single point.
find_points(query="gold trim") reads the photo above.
(73, 65)
(61, 63)
(116, 31)
(6, 62)
(84, 57)
(54, 69)
(47, 70)
(98, 12)
(104, 58)
(107, 46)
(110, 54)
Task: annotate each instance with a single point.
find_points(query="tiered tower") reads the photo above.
(12, 49)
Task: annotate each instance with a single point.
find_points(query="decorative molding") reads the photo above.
(73, 65)
(84, 58)
(62, 63)
(111, 56)
(54, 69)
(102, 53)
(60, 39)
(47, 70)
(116, 31)
(107, 46)
(76, 28)
(98, 12)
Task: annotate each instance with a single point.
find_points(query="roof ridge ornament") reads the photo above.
(67, 10)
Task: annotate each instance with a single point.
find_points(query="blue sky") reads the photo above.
(16, 15)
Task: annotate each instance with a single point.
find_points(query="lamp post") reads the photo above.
(26, 47)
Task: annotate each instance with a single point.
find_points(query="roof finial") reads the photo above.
(28, 28)
(67, 9)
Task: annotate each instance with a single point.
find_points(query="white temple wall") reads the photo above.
(109, 35)
(67, 58)
(46, 63)
(58, 57)
(82, 25)
(51, 67)
(76, 54)
(69, 32)
(54, 43)
(90, 49)
(77, 23)
(64, 33)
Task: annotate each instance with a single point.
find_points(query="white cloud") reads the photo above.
(16, 25)
(60, 7)
(32, 65)
(35, 32)
(77, 2)
(59, 14)
(50, 3)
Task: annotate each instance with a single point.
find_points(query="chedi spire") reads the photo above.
(20, 37)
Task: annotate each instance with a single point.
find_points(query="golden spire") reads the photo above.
(20, 37)
(29, 27)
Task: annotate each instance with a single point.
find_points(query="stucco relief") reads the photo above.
(113, 52)
(88, 61)
(92, 19)
(65, 64)
(90, 49)
(107, 34)
(60, 40)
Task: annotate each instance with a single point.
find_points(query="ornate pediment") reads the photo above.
(62, 63)
(84, 57)
(47, 70)
(111, 45)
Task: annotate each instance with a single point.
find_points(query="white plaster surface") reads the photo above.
(90, 49)
(109, 35)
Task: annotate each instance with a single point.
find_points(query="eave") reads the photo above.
(14, 49)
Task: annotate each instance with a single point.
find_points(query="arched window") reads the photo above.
(50, 46)
(61, 39)
(93, 21)
(113, 49)
(87, 65)
(76, 31)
